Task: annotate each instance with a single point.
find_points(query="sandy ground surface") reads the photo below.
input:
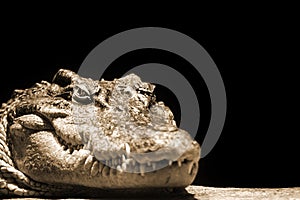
(213, 193)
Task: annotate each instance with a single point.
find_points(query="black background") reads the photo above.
(258, 146)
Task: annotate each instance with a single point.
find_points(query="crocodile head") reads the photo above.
(77, 131)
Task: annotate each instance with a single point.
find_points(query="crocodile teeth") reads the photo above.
(179, 163)
(127, 149)
(95, 168)
(88, 162)
(149, 163)
(142, 169)
(123, 158)
(170, 162)
(119, 168)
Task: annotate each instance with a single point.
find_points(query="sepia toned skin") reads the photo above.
(77, 135)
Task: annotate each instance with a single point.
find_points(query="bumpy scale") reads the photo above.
(77, 135)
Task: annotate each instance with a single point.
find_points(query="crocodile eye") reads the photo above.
(82, 95)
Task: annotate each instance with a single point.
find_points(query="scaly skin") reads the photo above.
(76, 135)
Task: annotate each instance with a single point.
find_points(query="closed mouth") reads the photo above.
(127, 162)
(124, 161)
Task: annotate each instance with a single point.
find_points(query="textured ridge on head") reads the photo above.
(81, 133)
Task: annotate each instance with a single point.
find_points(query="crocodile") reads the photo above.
(74, 135)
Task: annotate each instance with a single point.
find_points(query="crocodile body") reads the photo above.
(78, 136)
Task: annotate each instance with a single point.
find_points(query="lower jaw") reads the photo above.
(169, 176)
(110, 178)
